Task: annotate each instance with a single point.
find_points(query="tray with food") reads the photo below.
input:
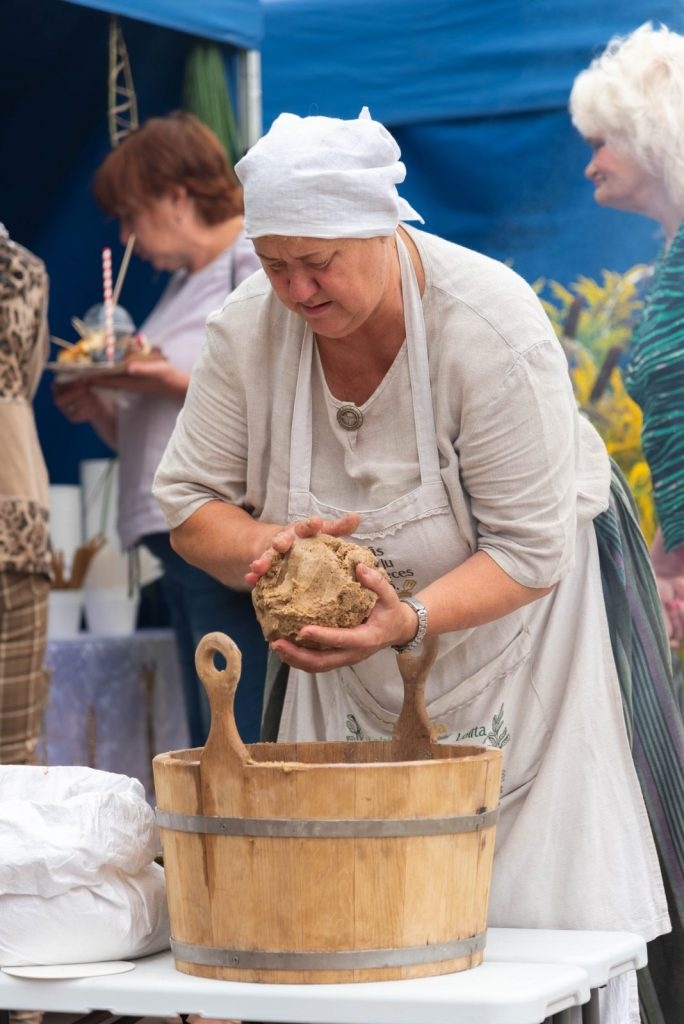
(89, 356)
(108, 340)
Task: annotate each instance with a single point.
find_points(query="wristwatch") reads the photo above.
(421, 611)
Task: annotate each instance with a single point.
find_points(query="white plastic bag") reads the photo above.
(78, 882)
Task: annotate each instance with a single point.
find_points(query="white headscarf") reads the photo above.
(321, 177)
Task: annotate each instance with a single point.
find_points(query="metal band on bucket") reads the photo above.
(360, 828)
(343, 960)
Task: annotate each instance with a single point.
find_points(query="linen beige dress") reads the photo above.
(472, 440)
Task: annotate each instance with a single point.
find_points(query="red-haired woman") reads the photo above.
(170, 184)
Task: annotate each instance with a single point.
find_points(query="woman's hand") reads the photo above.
(671, 591)
(390, 622)
(666, 563)
(283, 540)
(81, 403)
(149, 377)
(669, 572)
(78, 401)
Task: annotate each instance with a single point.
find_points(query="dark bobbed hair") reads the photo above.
(177, 149)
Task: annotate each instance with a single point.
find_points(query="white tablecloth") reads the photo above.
(114, 702)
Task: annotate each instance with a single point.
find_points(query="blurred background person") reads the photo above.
(24, 502)
(24, 514)
(629, 106)
(170, 184)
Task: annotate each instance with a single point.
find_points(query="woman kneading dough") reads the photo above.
(380, 383)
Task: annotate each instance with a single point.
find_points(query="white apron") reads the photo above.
(574, 847)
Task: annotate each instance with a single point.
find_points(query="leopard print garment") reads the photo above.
(23, 287)
(23, 500)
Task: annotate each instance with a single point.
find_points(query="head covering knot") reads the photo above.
(322, 177)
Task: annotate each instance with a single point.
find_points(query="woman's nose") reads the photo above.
(590, 169)
(301, 286)
(124, 233)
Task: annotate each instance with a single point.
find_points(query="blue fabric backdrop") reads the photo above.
(238, 22)
(475, 93)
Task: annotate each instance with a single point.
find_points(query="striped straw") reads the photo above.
(108, 303)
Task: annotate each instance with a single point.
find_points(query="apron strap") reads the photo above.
(421, 392)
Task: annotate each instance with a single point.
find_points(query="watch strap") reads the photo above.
(421, 611)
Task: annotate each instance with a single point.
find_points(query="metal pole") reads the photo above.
(250, 106)
(562, 1017)
(591, 1011)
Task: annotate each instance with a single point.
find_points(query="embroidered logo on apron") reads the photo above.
(496, 735)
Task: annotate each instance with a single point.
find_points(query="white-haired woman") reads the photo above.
(629, 106)
(379, 381)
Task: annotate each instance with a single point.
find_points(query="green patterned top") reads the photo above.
(654, 378)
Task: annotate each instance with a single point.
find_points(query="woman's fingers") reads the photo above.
(73, 400)
(282, 541)
(254, 575)
(340, 647)
(356, 643)
(340, 527)
(377, 581)
(674, 616)
(314, 525)
(311, 660)
(671, 591)
(70, 406)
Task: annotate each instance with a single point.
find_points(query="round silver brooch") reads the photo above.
(349, 417)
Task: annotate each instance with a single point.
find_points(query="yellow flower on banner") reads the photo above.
(594, 322)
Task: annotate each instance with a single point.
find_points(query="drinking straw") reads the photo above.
(122, 269)
(108, 304)
(60, 342)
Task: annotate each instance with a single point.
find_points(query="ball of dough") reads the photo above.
(313, 584)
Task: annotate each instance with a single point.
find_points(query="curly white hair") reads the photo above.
(632, 97)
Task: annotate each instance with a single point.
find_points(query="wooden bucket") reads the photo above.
(326, 862)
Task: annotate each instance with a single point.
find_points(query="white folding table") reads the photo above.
(603, 955)
(493, 993)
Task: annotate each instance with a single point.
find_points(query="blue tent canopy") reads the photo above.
(439, 59)
(436, 61)
(238, 22)
(476, 95)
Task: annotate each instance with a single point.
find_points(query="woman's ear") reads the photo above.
(178, 194)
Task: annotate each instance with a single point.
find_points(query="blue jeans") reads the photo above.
(199, 604)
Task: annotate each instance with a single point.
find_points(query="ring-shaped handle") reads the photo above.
(224, 744)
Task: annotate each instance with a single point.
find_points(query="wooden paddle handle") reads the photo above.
(224, 747)
(413, 732)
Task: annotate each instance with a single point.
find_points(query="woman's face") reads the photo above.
(619, 180)
(336, 285)
(158, 235)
